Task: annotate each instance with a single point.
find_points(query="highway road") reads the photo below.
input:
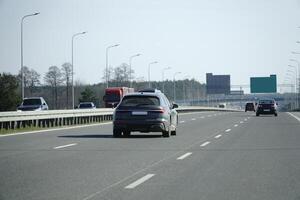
(215, 155)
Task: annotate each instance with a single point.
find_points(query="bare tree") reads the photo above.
(53, 78)
(122, 74)
(109, 73)
(31, 79)
(66, 77)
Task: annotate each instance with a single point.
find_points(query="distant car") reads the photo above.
(145, 111)
(266, 106)
(250, 106)
(33, 104)
(86, 105)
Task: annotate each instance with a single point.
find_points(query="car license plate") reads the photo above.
(267, 110)
(139, 113)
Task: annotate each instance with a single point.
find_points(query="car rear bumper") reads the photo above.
(141, 125)
(266, 111)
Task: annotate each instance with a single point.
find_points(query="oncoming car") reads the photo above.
(33, 104)
(145, 112)
(86, 105)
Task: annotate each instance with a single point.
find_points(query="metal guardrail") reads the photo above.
(52, 118)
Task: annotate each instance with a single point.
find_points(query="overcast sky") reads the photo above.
(242, 38)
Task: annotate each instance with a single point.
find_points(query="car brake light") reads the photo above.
(161, 110)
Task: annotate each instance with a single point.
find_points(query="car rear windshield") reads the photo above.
(266, 101)
(85, 105)
(28, 102)
(136, 101)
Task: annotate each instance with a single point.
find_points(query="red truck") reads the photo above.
(113, 95)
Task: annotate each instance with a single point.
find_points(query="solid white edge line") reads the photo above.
(204, 144)
(184, 156)
(63, 146)
(296, 117)
(227, 130)
(54, 129)
(139, 181)
(218, 136)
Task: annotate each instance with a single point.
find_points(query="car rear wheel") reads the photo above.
(173, 132)
(166, 133)
(117, 133)
(257, 114)
(126, 133)
(275, 114)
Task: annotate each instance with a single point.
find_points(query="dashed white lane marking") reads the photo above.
(184, 156)
(181, 121)
(245, 119)
(236, 125)
(193, 119)
(204, 144)
(227, 130)
(218, 136)
(208, 115)
(139, 181)
(63, 146)
(241, 122)
(202, 117)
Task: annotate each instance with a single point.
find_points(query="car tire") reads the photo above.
(117, 133)
(173, 132)
(275, 114)
(166, 133)
(126, 133)
(257, 114)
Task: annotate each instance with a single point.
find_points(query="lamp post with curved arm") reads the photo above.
(130, 61)
(106, 68)
(149, 83)
(73, 90)
(22, 71)
(174, 85)
(163, 77)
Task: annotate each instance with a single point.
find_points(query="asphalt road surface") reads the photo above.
(215, 155)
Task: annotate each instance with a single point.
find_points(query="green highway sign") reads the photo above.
(263, 84)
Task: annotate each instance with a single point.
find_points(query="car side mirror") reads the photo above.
(276, 104)
(174, 105)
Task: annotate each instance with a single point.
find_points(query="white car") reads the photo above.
(33, 104)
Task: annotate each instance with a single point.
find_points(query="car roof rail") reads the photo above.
(150, 90)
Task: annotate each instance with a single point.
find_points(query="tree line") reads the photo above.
(57, 81)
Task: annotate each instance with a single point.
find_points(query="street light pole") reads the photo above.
(106, 69)
(174, 86)
(22, 70)
(73, 90)
(298, 79)
(183, 85)
(149, 83)
(130, 61)
(163, 77)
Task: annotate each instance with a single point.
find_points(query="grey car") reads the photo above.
(146, 111)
